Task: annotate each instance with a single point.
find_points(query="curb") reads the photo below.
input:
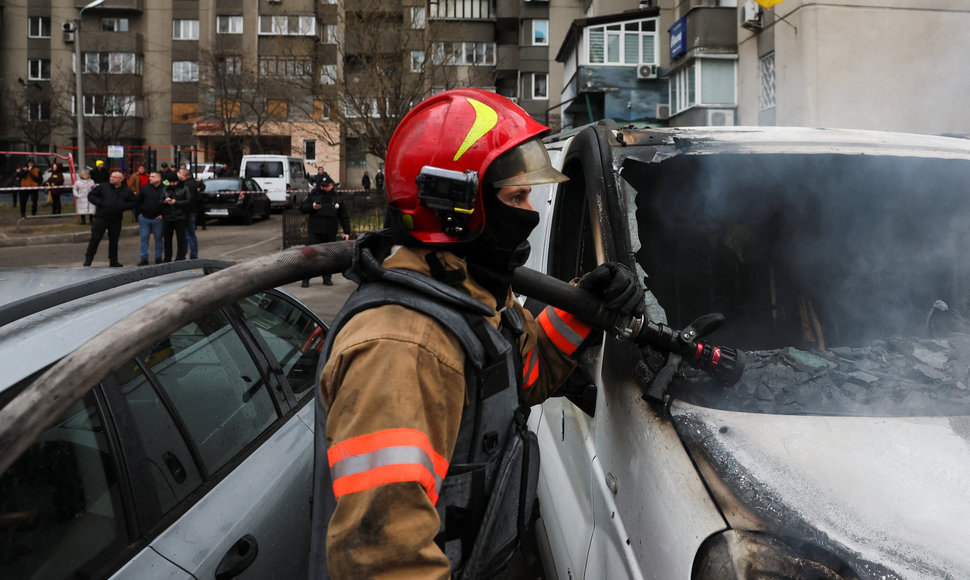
(68, 238)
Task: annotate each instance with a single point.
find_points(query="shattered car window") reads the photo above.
(845, 278)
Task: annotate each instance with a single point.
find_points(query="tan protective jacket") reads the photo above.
(395, 380)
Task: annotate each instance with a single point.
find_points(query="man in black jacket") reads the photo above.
(111, 199)
(149, 209)
(326, 210)
(175, 217)
(195, 214)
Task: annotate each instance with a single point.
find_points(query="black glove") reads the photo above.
(616, 286)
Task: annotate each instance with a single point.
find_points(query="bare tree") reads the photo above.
(33, 114)
(378, 62)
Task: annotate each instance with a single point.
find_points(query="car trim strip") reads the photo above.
(388, 456)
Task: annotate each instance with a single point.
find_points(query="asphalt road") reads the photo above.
(219, 241)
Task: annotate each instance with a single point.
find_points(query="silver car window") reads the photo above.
(293, 336)
(215, 388)
(170, 463)
(60, 507)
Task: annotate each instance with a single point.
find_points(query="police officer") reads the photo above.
(326, 211)
(424, 465)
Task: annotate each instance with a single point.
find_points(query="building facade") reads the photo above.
(218, 78)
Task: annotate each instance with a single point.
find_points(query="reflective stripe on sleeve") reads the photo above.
(530, 369)
(564, 330)
(389, 456)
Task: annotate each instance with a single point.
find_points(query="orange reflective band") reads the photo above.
(530, 370)
(564, 330)
(389, 456)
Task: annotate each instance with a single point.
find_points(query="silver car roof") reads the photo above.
(32, 342)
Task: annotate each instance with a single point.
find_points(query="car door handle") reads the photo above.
(238, 558)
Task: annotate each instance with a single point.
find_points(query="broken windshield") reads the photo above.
(845, 278)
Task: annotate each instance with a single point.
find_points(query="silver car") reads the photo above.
(839, 259)
(192, 460)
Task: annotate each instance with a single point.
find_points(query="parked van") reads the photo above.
(284, 178)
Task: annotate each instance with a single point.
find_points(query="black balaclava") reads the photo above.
(501, 247)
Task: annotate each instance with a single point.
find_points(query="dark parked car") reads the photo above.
(236, 198)
(192, 460)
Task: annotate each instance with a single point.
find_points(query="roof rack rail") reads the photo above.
(27, 306)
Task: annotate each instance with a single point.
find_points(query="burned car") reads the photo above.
(839, 261)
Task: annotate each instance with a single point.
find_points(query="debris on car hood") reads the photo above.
(899, 376)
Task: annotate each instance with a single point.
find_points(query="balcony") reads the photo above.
(115, 5)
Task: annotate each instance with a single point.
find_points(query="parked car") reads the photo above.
(203, 171)
(839, 259)
(283, 177)
(235, 197)
(191, 458)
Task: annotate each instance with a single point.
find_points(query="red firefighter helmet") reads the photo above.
(446, 143)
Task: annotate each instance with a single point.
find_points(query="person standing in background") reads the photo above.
(365, 181)
(326, 212)
(111, 199)
(149, 207)
(195, 212)
(100, 173)
(82, 187)
(54, 183)
(29, 177)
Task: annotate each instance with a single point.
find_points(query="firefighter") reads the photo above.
(424, 465)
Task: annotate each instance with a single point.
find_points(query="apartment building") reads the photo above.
(223, 77)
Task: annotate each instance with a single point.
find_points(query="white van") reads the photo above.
(284, 178)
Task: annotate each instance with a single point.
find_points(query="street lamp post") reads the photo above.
(79, 99)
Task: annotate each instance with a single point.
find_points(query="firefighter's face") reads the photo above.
(516, 196)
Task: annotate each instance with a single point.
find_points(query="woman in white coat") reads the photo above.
(83, 186)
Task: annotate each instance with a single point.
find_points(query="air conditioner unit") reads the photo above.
(752, 16)
(647, 71)
(69, 36)
(720, 117)
(663, 111)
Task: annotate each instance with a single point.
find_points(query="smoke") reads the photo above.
(808, 251)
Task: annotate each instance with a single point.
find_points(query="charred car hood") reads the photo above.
(886, 494)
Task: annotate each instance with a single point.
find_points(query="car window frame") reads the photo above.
(296, 403)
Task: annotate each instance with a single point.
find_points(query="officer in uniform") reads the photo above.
(326, 211)
(424, 465)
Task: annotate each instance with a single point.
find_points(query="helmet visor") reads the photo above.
(526, 164)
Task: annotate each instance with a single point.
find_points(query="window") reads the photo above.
(292, 335)
(418, 17)
(229, 24)
(276, 109)
(285, 66)
(185, 71)
(540, 32)
(330, 34)
(464, 53)
(328, 74)
(705, 81)
(540, 86)
(109, 106)
(39, 69)
(114, 24)
(61, 501)
(39, 111)
(766, 68)
(176, 474)
(624, 43)
(111, 63)
(287, 25)
(230, 65)
(185, 112)
(417, 61)
(39, 27)
(214, 388)
(460, 9)
(310, 147)
(185, 29)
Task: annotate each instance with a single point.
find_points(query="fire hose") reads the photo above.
(39, 405)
